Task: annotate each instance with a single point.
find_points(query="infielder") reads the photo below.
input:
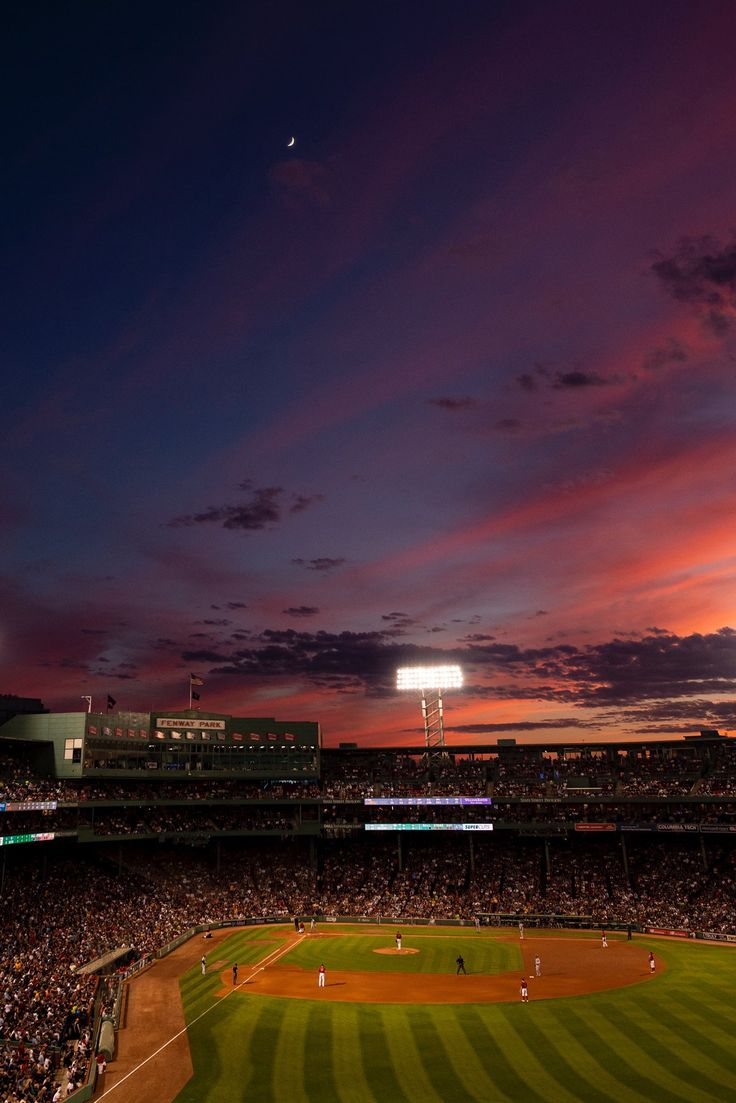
(538, 966)
(321, 981)
(524, 991)
(204, 965)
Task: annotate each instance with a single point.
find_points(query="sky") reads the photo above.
(451, 378)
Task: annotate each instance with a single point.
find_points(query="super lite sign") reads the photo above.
(38, 837)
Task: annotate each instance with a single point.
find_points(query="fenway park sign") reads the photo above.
(198, 724)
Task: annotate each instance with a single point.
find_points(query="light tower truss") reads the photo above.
(430, 682)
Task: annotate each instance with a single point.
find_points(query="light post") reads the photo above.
(430, 681)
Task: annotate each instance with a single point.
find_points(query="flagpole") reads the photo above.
(190, 693)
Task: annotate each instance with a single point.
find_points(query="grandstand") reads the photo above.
(178, 820)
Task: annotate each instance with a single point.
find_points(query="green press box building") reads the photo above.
(170, 744)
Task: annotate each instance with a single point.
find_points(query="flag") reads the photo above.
(175, 735)
(106, 731)
(221, 737)
(206, 736)
(255, 737)
(196, 680)
(132, 733)
(160, 734)
(190, 735)
(92, 730)
(111, 702)
(272, 736)
(195, 696)
(237, 737)
(289, 737)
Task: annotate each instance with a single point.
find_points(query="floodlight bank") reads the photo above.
(429, 677)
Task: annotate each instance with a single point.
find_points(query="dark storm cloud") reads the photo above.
(264, 508)
(325, 563)
(301, 611)
(358, 660)
(521, 726)
(699, 713)
(629, 670)
(628, 675)
(64, 664)
(454, 404)
(619, 672)
(671, 352)
(575, 380)
(399, 620)
(230, 605)
(702, 273)
(300, 502)
(204, 656)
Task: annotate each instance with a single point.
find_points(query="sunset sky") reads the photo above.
(452, 379)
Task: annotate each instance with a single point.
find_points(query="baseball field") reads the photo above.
(400, 1026)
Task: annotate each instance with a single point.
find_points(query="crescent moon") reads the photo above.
(291, 142)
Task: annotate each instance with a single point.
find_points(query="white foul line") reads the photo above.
(269, 959)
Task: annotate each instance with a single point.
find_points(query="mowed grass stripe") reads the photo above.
(717, 1014)
(511, 1035)
(453, 1066)
(380, 1073)
(665, 1049)
(505, 1079)
(466, 1045)
(408, 1060)
(287, 1074)
(265, 1029)
(623, 1062)
(347, 1055)
(319, 1080)
(688, 1026)
(216, 1048)
(584, 1041)
(632, 1036)
(544, 1032)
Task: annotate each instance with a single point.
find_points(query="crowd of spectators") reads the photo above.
(150, 895)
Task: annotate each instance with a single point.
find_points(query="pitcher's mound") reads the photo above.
(393, 950)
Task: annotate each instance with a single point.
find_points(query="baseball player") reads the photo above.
(652, 962)
(235, 973)
(321, 980)
(538, 966)
(204, 965)
(460, 965)
(521, 930)
(524, 991)
(604, 940)
(398, 941)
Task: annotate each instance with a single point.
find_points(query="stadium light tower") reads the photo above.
(430, 681)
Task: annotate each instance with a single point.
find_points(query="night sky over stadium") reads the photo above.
(450, 379)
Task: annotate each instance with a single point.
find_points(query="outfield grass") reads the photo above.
(670, 1040)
